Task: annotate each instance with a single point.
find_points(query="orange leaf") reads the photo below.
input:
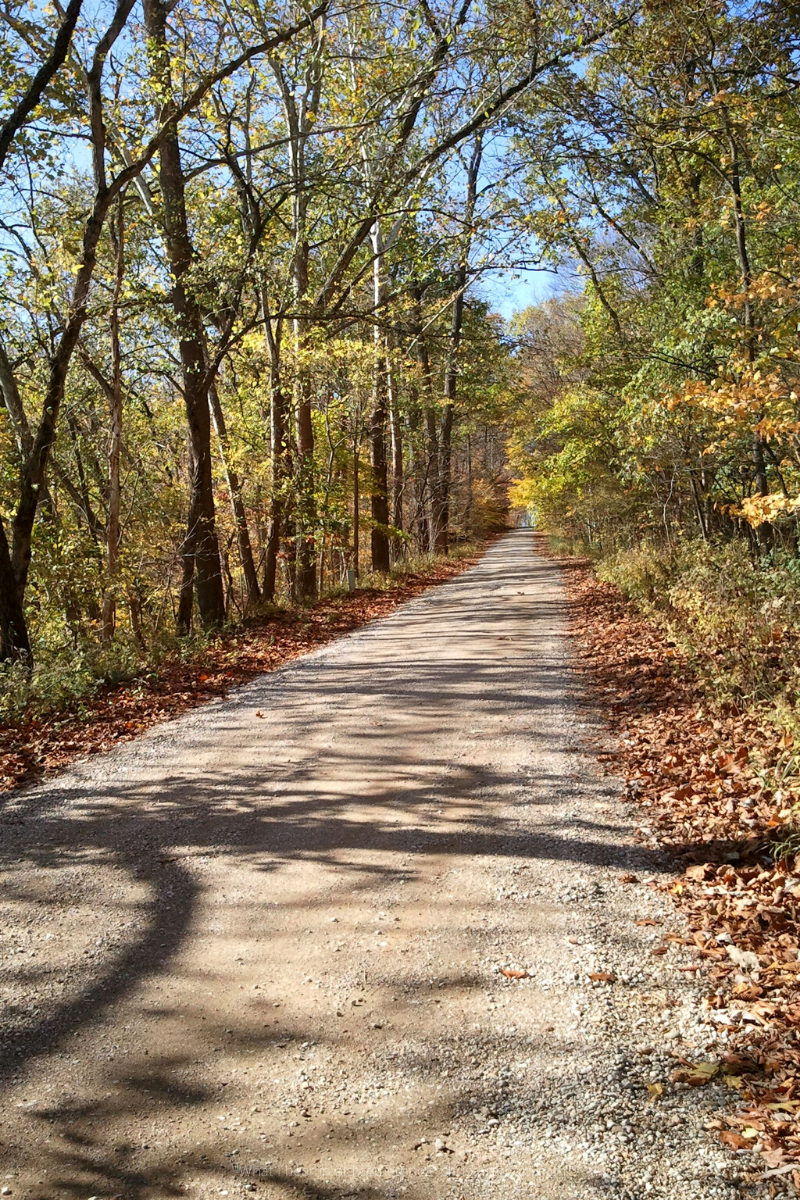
(729, 1137)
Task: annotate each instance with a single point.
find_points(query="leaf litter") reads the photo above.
(717, 789)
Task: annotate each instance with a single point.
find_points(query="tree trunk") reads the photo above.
(201, 537)
(764, 531)
(253, 591)
(300, 107)
(356, 502)
(397, 449)
(280, 458)
(430, 495)
(14, 641)
(306, 575)
(451, 370)
(113, 527)
(377, 429)
(433, 480)
(379, 466)
(418, 474)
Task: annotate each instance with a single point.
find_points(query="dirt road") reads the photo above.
(257, 950)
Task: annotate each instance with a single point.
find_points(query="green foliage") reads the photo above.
(65, 674)
(736, 617)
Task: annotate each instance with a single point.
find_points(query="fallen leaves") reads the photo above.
(695, 1074)
(715, 789)
(729, 1137)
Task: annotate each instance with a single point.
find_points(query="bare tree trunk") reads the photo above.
(377, 429)
(113, 528)
(201, 536)
(451, 371)
(253, 591)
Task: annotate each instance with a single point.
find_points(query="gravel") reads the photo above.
(264, 956)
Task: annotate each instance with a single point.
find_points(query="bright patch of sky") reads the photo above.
(509, 291)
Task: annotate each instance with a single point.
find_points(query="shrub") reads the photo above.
(736, 616)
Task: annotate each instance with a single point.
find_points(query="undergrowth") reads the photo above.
(737, 619)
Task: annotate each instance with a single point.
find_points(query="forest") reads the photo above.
(246, 345)
(307, 306)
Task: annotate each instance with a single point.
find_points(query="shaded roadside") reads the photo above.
(36, 746)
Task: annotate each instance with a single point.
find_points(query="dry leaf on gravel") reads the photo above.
(695, 1074)
(729, 1137)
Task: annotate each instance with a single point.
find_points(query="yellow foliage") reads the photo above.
(757, 510)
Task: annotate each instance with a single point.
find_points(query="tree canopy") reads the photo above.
(243, 342)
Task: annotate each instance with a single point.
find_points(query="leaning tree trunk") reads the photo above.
(201, 539)
(300, 109)
(237, 502)
(280, 458)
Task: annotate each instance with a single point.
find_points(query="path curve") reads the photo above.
(257, 949)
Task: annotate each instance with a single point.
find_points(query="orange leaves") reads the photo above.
(705, 786)
(759, 509)
(729, 1137)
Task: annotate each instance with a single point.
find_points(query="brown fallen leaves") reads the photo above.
(32, 748)
(716, 790)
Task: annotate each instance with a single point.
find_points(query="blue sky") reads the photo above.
(512, 290)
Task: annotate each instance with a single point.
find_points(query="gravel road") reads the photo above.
(257, 950)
